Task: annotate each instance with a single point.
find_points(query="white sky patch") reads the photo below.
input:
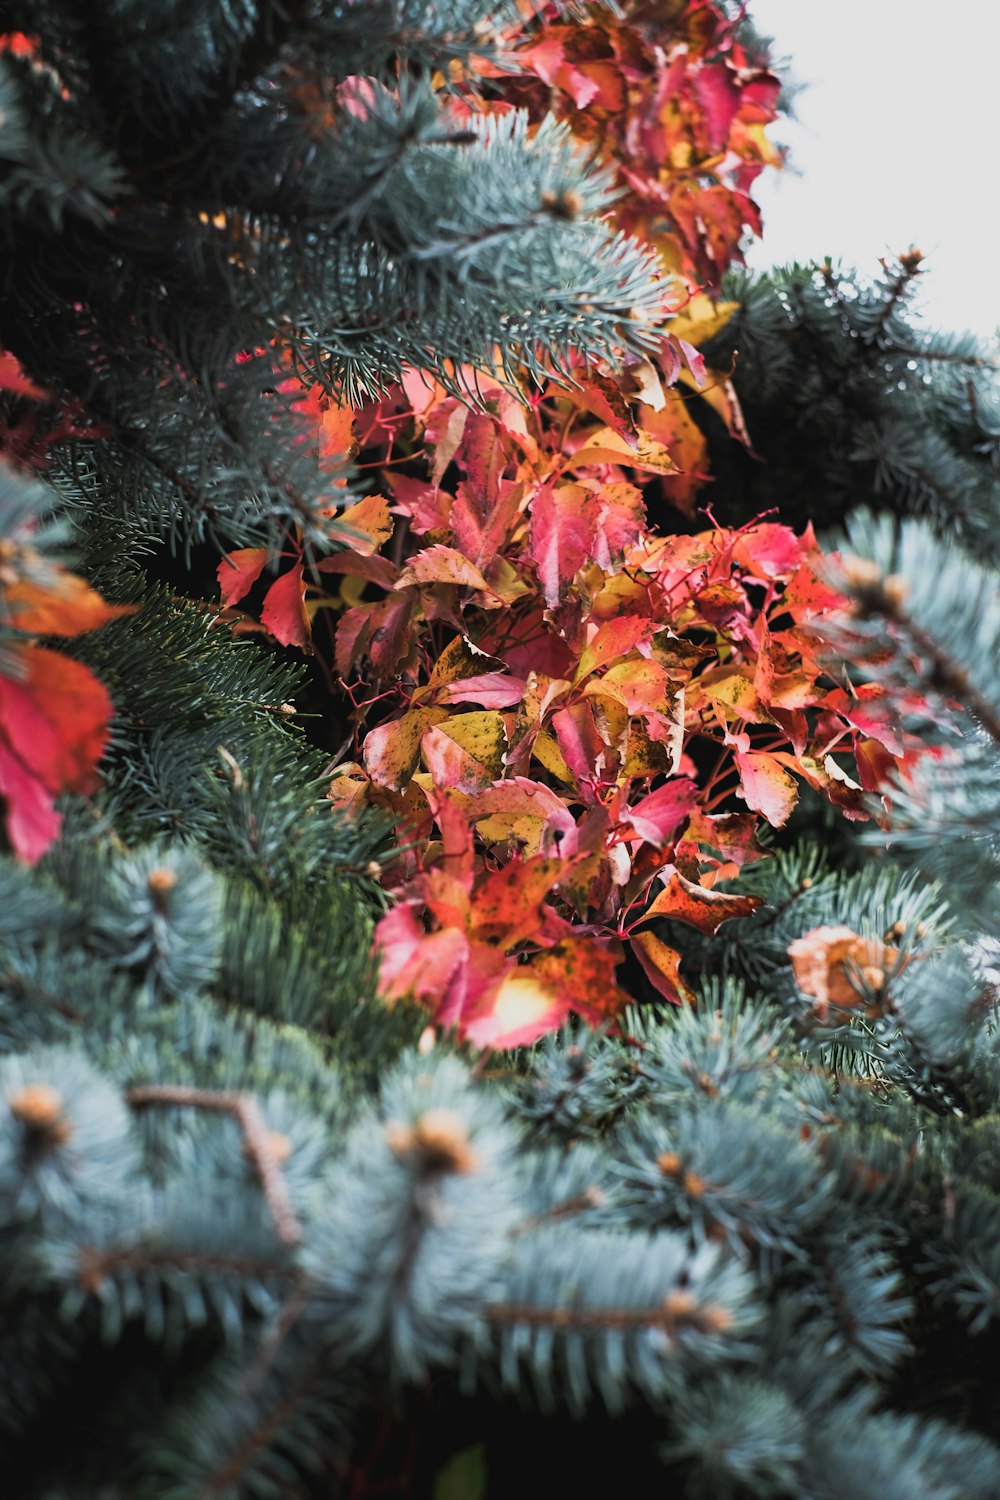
(897, 143)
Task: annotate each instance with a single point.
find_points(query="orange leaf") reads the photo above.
(661, 965)
(65, 606)
(391, 751)
(581, 969)
(238, 572)
(507, 908)
(364, 527)
(767, 786)
(683, 901)
(441, 564)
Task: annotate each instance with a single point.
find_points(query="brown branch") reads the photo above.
(948, 676)
(679, 1309)
(257, 1140)
(591, 1197)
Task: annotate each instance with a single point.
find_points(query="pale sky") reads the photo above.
(898, 143)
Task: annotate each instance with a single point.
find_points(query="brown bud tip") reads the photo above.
(911, 259)
(861, 574)
(39, 1108)
(565, 204)
(694, 1185)
(669, 1164)
(439, 1136)
(280, 1145)
(679, 1304)
(161, 880)
(716, 1319)
(373, 869)
(895, 588)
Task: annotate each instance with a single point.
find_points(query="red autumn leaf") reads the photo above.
(768, 550)
(683, 901)
(53, 729)
(238, 572)
(580, 742)
(13, 379)
(657, 817)
(561, 535)
(661, 965)
(767, 786)
(612, 640)
(284, 610)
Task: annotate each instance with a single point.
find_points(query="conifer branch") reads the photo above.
(259, 1144)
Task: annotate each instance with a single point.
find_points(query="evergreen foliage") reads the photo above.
(260, 1237)
(849, 397)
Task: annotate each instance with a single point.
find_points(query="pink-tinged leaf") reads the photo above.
(460, 659)
(441, 564)
(661, 965)
(238, 572)
(415, 964)
(562, 531)
(456, 835)
(524, 1007)
(767, 787)
(373, 569)
(621, 516)
(769, 551)
(284, 610)
(579, 741)
(428, 507)
(658, 816)
(491, 690)
(32, 821)
(520, 812)
(465, 751)
(391, 751)
(868, 711)
(612, 640)
(683, 901)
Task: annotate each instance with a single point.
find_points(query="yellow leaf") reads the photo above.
(701, 319)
